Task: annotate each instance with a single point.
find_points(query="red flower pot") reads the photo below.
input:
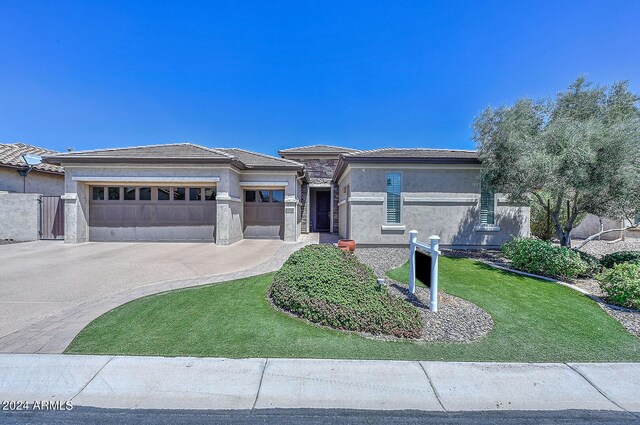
(348, 243)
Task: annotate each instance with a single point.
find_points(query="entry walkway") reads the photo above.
(45, 304)
(245, 384)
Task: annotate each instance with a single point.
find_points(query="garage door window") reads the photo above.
(195, 194)
(164, 194)
(263, 195)
(250, 196)
(129, 193)
(179, 194)
(145, 193)
(278, 196)
(114, 193)
(98, 193)
(210, 194)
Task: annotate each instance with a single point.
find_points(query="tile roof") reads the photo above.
(178, 151)
(319, 149)
(171, 150)
(254, 159)
(416, 153)
(11, 156)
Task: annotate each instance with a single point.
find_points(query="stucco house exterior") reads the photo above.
(179, 192)
(187, 192)
(45, 179)
(385, 193)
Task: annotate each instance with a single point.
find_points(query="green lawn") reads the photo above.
(534, 321)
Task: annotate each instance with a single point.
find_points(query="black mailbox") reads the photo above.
(423, 267)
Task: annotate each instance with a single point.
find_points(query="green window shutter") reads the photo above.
(393, 198)
(487, 207)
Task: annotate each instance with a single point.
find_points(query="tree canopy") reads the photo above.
(581, 149)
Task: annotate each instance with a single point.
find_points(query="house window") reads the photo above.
(98, 193)
(393, 198)
(487, 206)
(145, 193)
(114, 193)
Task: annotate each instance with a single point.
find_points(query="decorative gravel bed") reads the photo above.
(600, 248)
(457, 320)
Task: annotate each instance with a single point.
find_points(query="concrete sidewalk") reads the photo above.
(245, 384)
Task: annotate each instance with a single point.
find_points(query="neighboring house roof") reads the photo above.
(315, 149)
(11, 156)
(407, 155)
(176, 152)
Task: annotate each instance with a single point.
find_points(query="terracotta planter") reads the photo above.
(349, 243)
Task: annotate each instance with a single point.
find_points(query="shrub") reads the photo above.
(331, 287)
(591, 262)
(619, 257)
(622, 284)
(536, 256)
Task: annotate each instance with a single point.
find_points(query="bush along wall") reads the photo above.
(331, 287)
(540, 257)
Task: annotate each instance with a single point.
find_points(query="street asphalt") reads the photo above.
(88, 415)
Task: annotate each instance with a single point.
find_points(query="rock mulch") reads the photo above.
(601, 248)
(457, 320)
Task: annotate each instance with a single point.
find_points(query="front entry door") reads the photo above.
(323, 211)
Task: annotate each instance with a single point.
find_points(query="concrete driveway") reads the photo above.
(43, 278)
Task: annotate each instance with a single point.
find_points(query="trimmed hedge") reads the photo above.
(539, 257)
(622, 284)
(619, 257)
(331, 287)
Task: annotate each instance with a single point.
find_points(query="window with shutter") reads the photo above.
(393, 198)
(487, 207)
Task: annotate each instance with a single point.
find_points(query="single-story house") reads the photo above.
(19, 177)
(187, 192)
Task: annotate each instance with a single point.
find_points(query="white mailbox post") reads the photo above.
(432, 248)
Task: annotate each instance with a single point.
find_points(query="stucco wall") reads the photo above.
(437, 200)
(19, 216)
(591, 225)
(36, 182)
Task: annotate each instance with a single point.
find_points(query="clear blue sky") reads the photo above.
(268, 75)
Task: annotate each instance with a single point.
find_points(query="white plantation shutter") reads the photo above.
(487, 205)
(393, 197)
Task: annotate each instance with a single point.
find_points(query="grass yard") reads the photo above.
(535, 321)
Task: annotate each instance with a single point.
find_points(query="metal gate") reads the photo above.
(51, 217)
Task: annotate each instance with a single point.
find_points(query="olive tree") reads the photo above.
(581, 150)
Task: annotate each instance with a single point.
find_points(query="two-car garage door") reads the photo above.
(152, 213)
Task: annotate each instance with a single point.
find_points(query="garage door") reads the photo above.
(264, 214)
(142, 213)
